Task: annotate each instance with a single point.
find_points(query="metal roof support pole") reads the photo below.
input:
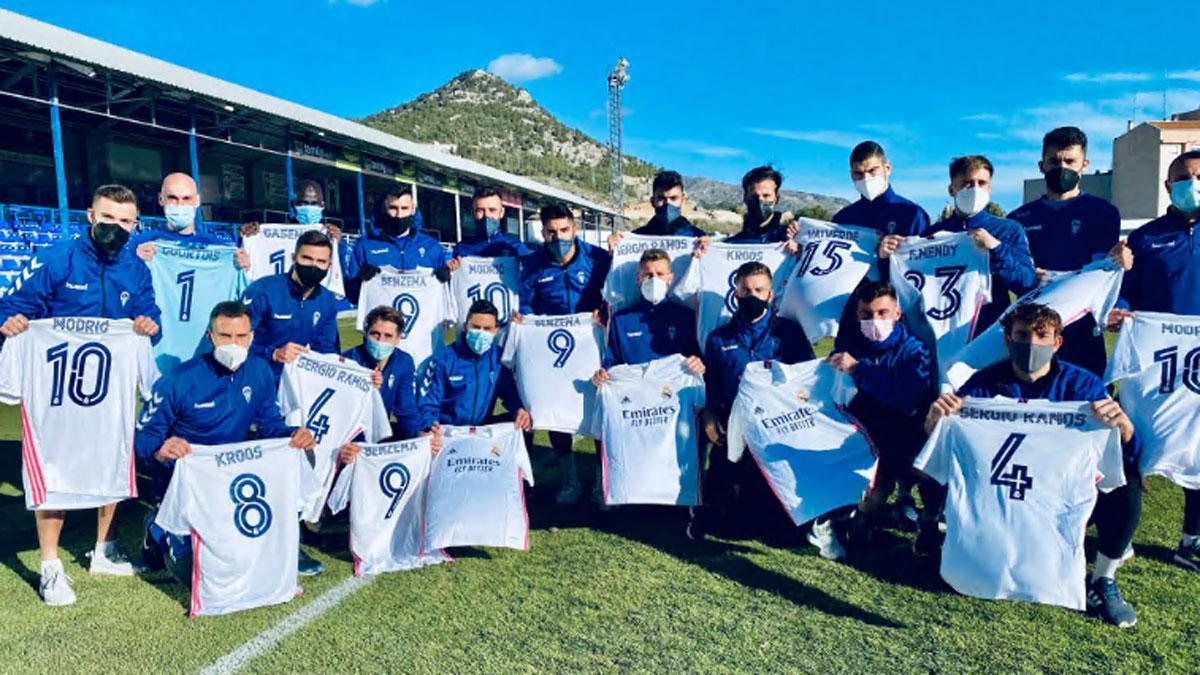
(362, 206)
(193, 152)
(60, 168)
(457, 218)
(521, 222)
(287, 165)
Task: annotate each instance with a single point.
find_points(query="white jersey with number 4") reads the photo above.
(385, 487)
(621, 288)
(942, 282)
(1157, 362)
(554, 358)
(421, 299)
(239, 504)
(1021, 482)
(476, 496)
(1091, 290)
(491, 279)
(832, 260)
(708, 283)
(333, 398)
(647, 419)
(76, 382)
(271, 250)
(812, 455)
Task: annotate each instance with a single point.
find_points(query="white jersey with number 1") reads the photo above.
(76, 381)
(271, 250)
(385, 487)
(239, 504)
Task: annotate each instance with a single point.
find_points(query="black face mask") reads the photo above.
(758, 212)
(1061, 180)
(751, 307)
(109, 238)
(309, 275)
(394, 226)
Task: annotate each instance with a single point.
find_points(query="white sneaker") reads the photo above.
(55, 587)
(568, 495)
(823, 537)
(111, 560)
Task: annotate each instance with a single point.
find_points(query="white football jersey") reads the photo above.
(647, 419)
(708, 283)
(832, 260)
(271, 252)
(621, 287)
(1091, 290)
(942, 283)
(333, 398)
(239, 503)
(790, 415)
(491, 279)
(1157, 362)
(385, 487)
(75, 379)
(422, 300)
(554, 358)
(475, 493)
(1021, 482)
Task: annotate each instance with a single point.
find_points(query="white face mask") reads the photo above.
(871, 187)
(877, 330)
(654, 290)
(972, 200)
(232, 355)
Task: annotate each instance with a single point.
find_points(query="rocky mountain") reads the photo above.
(482, 117)
(713, 194)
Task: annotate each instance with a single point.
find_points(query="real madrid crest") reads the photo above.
(666, 391)
(496, 450)
(802, 394)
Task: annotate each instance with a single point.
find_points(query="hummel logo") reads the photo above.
(282, 317)
(1155, 245)
(727, 348)
(202, 406)
(77, 287)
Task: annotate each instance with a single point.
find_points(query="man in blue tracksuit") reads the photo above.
(667, 198)
(893, 372)
(392, 369)
(291, 313)
(564, 276)
(180, 201)
(1067, 229)
(1166, 278)
(1033, 334)
(1008, 250)
(463, 382)
(489, 239)
(879, 207)
(394, 238)
(754, 333)
(763, 221)
(211, 399)
(92, 276)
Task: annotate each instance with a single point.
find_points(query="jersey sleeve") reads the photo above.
(511, 344)
(289, 396)
(934, 458)
(1124, 361)
(30, 293)
(310, 491)
(523, 462)
(376, 425)
(173, 512)
(12, 375)
(735, 431)
(688, 287)
(1111, 465)
(148, 373)
(339, 496)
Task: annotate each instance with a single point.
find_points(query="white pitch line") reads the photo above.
(269, 638)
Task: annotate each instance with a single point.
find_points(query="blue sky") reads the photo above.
(715, 87)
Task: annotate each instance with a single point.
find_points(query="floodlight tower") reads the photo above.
(616, 82)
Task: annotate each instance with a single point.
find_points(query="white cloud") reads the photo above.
(1105, 78)
(703, 149)
(1193, 75)
(836, 138)
(988, 136)
(356, 3)
(523, 67)
(983, 117)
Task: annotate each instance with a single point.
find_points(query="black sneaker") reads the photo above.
(152, 554)
(1104, 600)
(929, 539)
(1187, 556)
(904, 515)
(308, 566)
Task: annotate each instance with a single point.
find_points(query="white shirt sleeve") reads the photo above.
(377, 426)
(688, 289)
(523, 457)
(339, 497)
(1111, 464)
(934, 459)
(147, 369)
(311, 490)
(1124, 361)
(176, 504)
(11, 372)
(289, 396)
(735, 433)
(510, 345)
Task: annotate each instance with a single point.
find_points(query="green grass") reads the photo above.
(622, 590)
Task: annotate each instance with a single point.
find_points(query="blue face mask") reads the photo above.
(379, 350)
(1185, 194)
(309, 214)
(480, 340)
(669, 212)
(489, 226)
(179, 216)
(560, 248)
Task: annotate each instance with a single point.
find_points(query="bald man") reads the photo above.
(180, 199)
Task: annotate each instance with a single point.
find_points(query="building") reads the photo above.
(76, 112)
(1098, 184)
(1141, 156)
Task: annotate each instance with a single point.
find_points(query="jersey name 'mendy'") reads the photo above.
(75, 379)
